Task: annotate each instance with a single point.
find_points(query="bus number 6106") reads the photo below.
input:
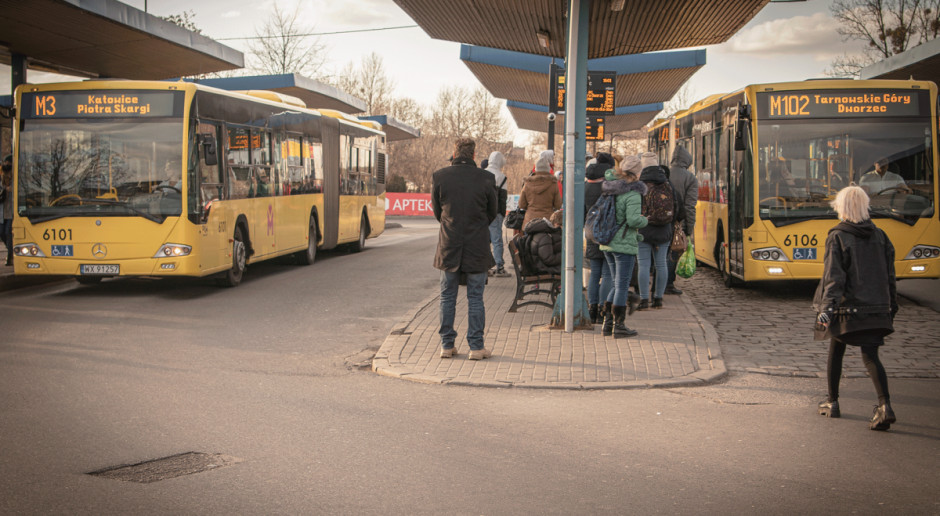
(803, 240)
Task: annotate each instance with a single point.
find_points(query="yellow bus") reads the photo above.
(138, 178)
(770, 157)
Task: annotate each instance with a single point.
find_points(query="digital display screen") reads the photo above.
(594, 128)
(102, 104)
(842, 104)
(600, 91)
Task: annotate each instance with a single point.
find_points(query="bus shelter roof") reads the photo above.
(532, 117)
(395, 130)
(641, 78)
(314, 93)
(616, 27)
(106, 38)
(921, 63)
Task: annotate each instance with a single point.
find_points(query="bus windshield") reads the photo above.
(100, 168)
(804, 163)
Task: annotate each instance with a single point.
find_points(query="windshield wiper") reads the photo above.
(112, 202)
(891, 215)
(796, 220)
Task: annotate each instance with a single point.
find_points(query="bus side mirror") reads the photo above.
(740, 141)
(209, 149)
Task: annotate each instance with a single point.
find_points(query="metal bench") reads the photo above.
(532, 284)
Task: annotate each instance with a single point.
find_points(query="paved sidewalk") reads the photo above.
(675, 347)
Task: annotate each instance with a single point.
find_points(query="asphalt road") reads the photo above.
(265, 374)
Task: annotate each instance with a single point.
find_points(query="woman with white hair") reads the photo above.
(856, 300)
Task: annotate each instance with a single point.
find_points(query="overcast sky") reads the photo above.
(785, 41)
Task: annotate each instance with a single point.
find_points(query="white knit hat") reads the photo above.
(544, 164)
(632, 165)
(648, 159)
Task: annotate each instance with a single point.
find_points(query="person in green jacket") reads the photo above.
(620, 252)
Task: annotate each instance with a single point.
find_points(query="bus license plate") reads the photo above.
(804, 253)
(101, 269)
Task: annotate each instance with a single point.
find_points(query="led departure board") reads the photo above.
(600, 91)
(594, 128)
(842, 104)
(101, 104)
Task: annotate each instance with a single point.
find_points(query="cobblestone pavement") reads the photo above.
(767, 328)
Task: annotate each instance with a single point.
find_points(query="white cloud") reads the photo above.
(231, 14)
(804, 35)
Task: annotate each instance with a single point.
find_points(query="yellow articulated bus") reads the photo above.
(136, 178)
(770, 158)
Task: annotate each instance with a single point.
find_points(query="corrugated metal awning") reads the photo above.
(921, 63)
(641, 78)
(532, 117)
(642, 25)
(106, 38)
(315, 94)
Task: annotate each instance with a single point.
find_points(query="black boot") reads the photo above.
(829, 408)
(608, 327)
(620, 330)
(593, 310)
(633, 301)
(883, 417)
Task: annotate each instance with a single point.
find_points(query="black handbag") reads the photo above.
(514, 218)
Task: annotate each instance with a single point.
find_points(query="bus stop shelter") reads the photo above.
(313, 92)
(921, 63)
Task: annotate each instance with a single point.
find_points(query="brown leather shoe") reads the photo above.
(448, 352)
(479, 354)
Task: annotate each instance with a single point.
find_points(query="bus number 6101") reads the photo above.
(803, 240)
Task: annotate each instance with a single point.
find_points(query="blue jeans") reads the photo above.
(599, 284)
(658, 253)
(476, 315)
(496, 239)
(622, 267)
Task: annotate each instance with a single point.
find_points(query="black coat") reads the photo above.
(463, 198)
(659, 235)
(592, 192)
(858, 288)
(545, 246)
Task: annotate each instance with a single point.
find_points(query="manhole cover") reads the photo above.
(167, 467)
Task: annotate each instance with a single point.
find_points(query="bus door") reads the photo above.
(205, 194)
(731, 190)
(262, 208)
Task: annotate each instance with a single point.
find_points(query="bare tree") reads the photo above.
(369, 82)
(683, 98)
(186, 20)
(885, 27)
(283, 46)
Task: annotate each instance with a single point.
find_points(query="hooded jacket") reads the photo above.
(629, 206)
(463, 198)
(685, 184)
(858, 288)
(539, 197)
(659, 235)
(495, 167)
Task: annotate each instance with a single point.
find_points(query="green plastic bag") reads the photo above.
(685, 267)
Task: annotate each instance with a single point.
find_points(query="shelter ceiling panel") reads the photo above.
(642, 25)
(649, 87)
(532, 120)
(512, 84)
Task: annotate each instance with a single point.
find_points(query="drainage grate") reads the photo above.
(167, 467)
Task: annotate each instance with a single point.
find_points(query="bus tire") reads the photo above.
(309, 255)
(363, 233)
(723, 267)
(239, 260)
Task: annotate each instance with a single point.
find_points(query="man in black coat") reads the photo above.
(463, 198)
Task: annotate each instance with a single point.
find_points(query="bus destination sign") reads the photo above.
(102, 104)
(842, 104)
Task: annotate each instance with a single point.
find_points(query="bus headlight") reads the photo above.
(28, 250)
(769, 254)
(923, 251)
(173, 251)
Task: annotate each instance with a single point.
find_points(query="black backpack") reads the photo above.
(659, 204)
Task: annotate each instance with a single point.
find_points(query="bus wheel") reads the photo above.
(310, 254)
(363, 233)
(239, 256)
(88, 280)
(723, 266)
